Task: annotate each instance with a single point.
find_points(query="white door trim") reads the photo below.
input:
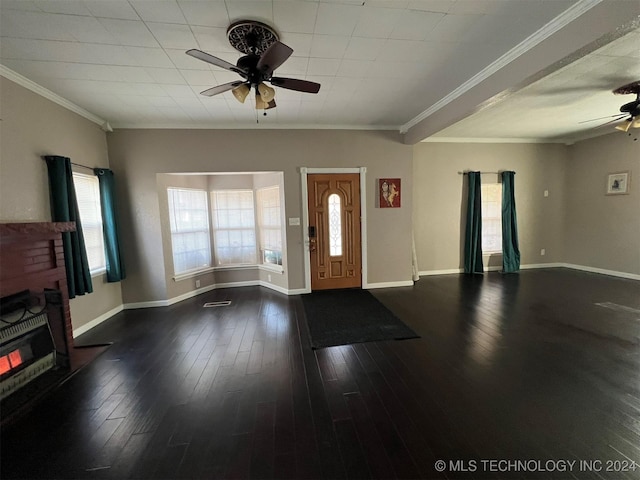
(304, 171)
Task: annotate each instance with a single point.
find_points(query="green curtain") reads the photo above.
(510, 249)
(113, 256)
(64, 208)
(473, 231)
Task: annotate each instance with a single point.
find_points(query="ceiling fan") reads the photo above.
(263, 54)
(630, 110)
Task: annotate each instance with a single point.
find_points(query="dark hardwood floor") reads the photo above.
(541, 367)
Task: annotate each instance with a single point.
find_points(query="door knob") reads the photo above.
(312, 244)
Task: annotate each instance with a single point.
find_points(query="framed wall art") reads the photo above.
(618, 183)
(390, 192)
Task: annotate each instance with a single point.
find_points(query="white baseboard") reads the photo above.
(208, 288)
(450, 271)
(531, 266)
(602, 271)
(150, 304)
(277, 288)
(96, 321)
(299, 291)
(402, 283)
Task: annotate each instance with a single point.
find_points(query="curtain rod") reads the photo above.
(464, 173)
(81, 166)
(74, 164)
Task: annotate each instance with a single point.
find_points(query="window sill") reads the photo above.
(192, 273)
(491, 253)
(98, 273)
(268, 267)
(235, 267)
(222, 268)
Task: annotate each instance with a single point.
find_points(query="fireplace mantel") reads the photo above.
(29, 228)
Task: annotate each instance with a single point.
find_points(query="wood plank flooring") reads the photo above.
(541, 366)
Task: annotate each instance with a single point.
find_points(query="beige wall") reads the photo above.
(138, 155)
(603, 231)
(439, 203)
(33, 126)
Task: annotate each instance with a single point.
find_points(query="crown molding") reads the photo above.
(491, 140)
(523, 47)
(249, 126)
(54, 97)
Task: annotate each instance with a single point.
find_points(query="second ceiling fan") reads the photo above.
(263, 54)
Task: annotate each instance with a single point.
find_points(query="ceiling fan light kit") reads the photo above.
(263, 54)
(241, 92)
(260, 103)
(624, 127)
(266, 92)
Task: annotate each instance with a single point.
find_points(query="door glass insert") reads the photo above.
(335, 226)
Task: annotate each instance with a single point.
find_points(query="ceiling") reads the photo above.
(553, 107)
(381, 63)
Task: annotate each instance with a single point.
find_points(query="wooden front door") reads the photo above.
(334, 230)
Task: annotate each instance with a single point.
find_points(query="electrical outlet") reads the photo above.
(546, 193)
(269, 277)
(543, 252)
(197, 283)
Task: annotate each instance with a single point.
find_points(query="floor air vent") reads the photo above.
(223, 303)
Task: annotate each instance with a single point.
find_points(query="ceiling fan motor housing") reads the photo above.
(249, 64)
(632, 108)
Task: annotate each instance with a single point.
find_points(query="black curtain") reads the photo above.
(64, 208)
(473, 231)
(113, 256)
(510, 248)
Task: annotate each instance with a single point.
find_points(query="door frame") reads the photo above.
(304, 171)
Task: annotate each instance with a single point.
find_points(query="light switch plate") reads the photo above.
(294, 221)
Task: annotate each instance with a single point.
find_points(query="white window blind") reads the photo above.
(88, 196)
(190, 238)
(491, 217)
(269, 224)
(234, 231)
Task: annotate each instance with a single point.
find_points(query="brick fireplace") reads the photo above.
(32, 266)
(31, 258)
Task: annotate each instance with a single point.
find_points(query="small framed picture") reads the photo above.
(618, 183)
(389, 190)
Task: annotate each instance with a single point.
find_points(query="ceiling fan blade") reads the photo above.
(225, 87)
(273, 57)
(271, 104)
(609, 122)
(218, 62)
(617, 117)
(295, 84)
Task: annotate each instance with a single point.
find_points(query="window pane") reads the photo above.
(491, 217)
(335, 226)
(269, 224)
(233, 227)
(189, 220)
(87, 190)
